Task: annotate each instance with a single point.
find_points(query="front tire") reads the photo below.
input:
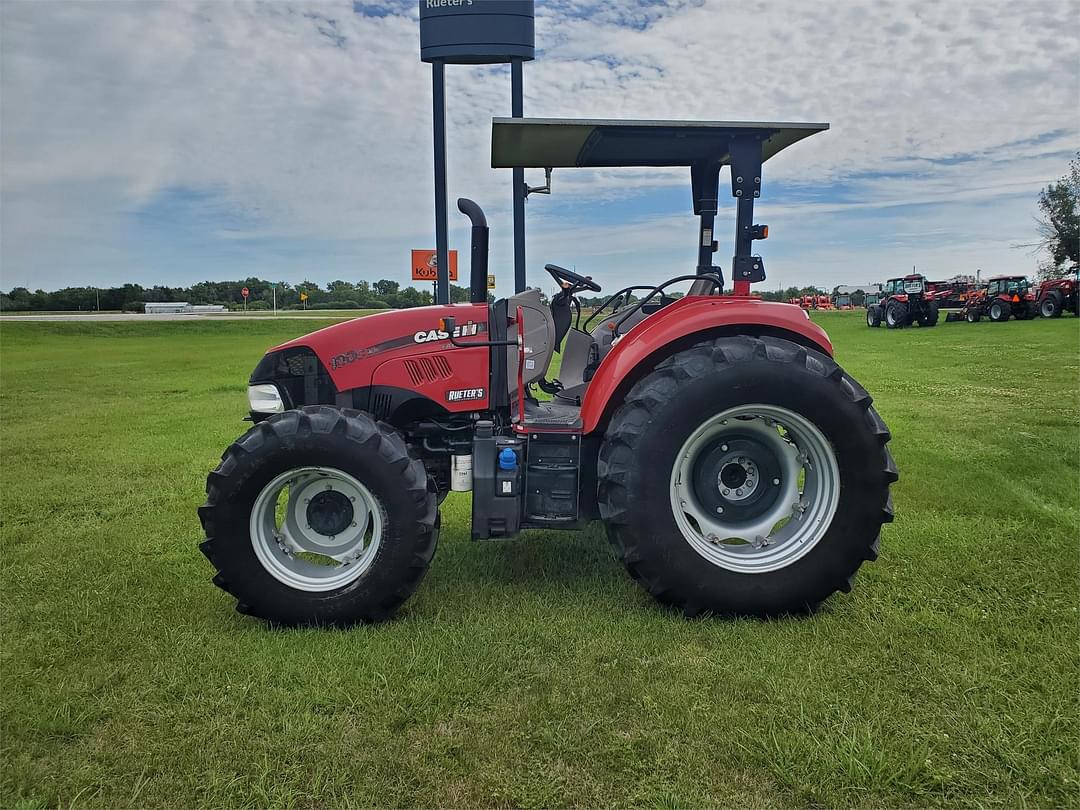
(873, 316)
(319, 516)
(1050, 306)
(790, 412)
(973, 316)
(896, 315)
(1000, 311)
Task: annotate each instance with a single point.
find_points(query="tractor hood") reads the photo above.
(351, 351)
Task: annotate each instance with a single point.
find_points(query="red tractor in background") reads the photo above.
(904, 301)
(1058, 295)
(1002, 298)
(737, 467)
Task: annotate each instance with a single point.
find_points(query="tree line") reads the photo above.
(382, 294)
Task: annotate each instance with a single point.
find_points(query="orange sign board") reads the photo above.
(424, 265)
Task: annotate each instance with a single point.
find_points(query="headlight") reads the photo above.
(265, 398)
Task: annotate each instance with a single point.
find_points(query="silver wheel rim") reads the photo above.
(869, 317)
(789, 476)
(890, 316)
(316, 528)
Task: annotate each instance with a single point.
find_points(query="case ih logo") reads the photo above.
(465, 330)
(464, 394)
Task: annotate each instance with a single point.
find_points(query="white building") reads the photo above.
(167, 308)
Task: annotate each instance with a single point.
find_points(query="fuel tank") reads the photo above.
(405, 349)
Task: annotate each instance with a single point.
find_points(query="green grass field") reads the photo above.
(534, 673)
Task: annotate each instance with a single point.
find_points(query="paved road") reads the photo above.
(132, 316)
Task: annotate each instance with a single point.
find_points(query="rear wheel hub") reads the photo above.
(755, 488)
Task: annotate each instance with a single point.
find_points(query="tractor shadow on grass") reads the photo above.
(555, 565)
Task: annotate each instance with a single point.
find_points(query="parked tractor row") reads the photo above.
(913, 300)
(809, 302)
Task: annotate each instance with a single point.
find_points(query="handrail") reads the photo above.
(713, 277)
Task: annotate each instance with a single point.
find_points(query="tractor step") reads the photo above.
(554, 415)
(551, 480)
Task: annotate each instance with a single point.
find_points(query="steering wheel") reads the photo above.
(561, 275)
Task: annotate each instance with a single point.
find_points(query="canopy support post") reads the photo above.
(745, 188)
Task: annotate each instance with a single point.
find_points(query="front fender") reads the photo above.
(679, 325)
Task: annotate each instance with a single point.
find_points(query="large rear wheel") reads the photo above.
(746, 476)
(319, 516)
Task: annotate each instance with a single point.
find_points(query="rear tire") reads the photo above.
(644, 452)
(288, 574)
(1000, 311)
(1050, 306)
(931, 316)
(873, 316)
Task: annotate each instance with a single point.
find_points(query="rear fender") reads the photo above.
(680, 325)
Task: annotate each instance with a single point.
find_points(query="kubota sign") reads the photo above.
(425, 264)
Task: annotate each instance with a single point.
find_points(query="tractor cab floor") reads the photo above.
(554, 414)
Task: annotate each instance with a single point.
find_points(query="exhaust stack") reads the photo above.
(478, 266)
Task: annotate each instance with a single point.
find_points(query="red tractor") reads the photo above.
(737, 467)
(1002, 298)
(904, 301)
(1058, 295)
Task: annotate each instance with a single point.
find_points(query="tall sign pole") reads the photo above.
(517, 105)
(438, 130)
(468, 32)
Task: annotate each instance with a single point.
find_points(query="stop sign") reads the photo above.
(245, 292)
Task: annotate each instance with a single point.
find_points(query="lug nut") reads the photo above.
(776, 481)
(723, 448)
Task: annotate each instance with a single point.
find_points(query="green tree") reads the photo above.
(1059, 224)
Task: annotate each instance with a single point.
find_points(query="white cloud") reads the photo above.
(311, 123)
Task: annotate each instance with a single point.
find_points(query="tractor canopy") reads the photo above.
(704, 146)
(598, 143)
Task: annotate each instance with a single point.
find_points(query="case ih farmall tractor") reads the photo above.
(737, 467)
(1059, 295)
(1003, 297)
(904, 301)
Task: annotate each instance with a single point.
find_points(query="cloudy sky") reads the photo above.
(171, 142)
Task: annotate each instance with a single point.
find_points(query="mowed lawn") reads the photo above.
(534, 673)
